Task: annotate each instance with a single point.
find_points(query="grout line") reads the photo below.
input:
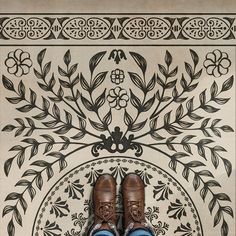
(128, 13)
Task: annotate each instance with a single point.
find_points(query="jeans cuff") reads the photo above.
(145, 229)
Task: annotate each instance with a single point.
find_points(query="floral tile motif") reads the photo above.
(76, 111)
(70, 218)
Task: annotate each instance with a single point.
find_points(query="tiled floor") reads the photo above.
(87, 94)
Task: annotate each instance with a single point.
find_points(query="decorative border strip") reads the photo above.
(150, 28)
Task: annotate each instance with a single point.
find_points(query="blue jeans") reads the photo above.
(138, 232)
(103, 233)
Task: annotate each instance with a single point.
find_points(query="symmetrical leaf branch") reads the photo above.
(216, 130)
(94, 105)
(187, 86)
(49, 86)
(205, 187)
(190, 110)
(70, 70)
(202, 145)
(33, 147)
(170, 126)
(177, 126)
(140, 106)
(45, 168)
(57, 125)
(164, 84)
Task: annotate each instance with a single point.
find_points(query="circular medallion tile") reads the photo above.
(67, 208)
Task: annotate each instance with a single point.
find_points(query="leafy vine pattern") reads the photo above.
(77, 95)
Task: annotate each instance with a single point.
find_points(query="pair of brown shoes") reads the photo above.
(104, 200)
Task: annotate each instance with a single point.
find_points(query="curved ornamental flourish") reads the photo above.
(111, 27)
(167, 199)
(165, 114)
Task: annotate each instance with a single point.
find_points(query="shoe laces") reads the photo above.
(105, 211)
(135, 210)
(137, 214)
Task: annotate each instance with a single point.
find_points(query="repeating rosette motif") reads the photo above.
(217, 63)
(18, 63)
(117, 98)
(117, 76)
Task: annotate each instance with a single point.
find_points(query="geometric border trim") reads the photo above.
(149, 28)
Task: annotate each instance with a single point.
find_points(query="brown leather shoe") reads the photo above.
(133, 203)
(104, 201)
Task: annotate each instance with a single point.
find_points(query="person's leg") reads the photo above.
(140, 232)
(133, 202)
(103, 233)
(104, 201)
